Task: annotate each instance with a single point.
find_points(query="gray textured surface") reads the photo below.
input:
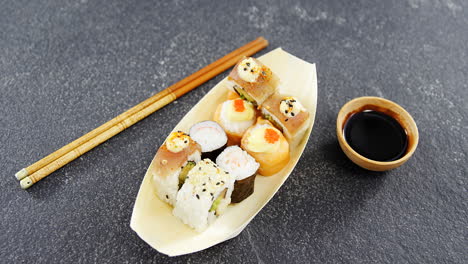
(68, 66)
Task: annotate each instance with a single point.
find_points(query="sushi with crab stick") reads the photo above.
(244, 167)
(211, 137)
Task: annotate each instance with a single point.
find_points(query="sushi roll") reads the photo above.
(235, 116)
(243, 166)
(267, 145)
(204, 196)
(253, 81)
(287, 114)
(211, 137)
(172, 162)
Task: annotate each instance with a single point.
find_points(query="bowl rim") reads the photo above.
(406, 116)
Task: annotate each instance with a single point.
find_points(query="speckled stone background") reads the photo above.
(68, 66)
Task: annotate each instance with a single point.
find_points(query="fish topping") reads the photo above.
(248, 70)
(177, 141)
(291, 107)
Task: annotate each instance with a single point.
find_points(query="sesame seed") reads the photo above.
(211, 194)
(251, 71)
(245, 69)
(204, 190)
(198, 197)
(292, 113)
(185, 141)
(218, 183)
(248, 63)
(286, 120)
(286, 111)
(167, 196)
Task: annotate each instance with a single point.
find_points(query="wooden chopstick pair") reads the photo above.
(54, 161)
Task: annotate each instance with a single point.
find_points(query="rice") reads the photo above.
(237, 127)
(238, 162)
(167, 187)
(204, 184)
(209, 134)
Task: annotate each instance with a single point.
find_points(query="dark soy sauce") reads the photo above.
(375, 136)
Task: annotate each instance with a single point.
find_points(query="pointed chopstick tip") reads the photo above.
(21, 174)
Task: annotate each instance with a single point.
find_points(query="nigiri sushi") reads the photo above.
(267, 145)
(253, 81)
(171, 164)
(286, 113)
(205, 195)
(235, 116)
(243, 166)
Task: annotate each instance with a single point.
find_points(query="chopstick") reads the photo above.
(54, 161)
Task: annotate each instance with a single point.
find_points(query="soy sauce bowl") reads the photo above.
(384, 106)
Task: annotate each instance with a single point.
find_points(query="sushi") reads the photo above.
(232, 95)
(172, 162)
(204, 196)
(243, 166)
(253, 81)
(287, 114)
(211, 137)
(267, 145)
(235, 116)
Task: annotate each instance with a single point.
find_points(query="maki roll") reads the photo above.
(172, 162)
(267, 145)
(287, 114)
(253, 81)
(243, 166)
(235, 116)
(211, 137)
(204, 196)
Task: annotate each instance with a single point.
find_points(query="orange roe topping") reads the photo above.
(271, 136)
(239, 105)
